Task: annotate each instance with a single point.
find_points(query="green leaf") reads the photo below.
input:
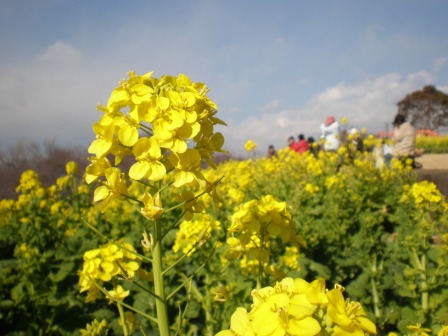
(65, 270)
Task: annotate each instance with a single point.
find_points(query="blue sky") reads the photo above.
(275, 68)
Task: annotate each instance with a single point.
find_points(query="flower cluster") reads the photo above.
(194, 232)
(296, 307)
(425, 195)
(255, 223)
(103, 264)
(29, 182)
(250, 145)
(164, 124)
(95, 328)
(72, 169)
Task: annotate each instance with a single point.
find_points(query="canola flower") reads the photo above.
(250, 145)
(165, 124)
(253, 226)
(194, 232)
(443, 331)
(424, 194)
(296, 307)
(103, 264)
(29, 182)
(96, 328)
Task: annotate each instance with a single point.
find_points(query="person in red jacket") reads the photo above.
(302, 145)
(292, 144)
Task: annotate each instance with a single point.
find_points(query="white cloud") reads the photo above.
(271, 106)
(50, 97)
(61, 53)
(370, 103)
(440, 63)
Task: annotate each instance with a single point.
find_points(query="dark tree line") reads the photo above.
(48, 160)
(426, 108)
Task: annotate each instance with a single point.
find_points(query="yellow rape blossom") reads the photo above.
(102, 264)
(296, 307)
(311, 188)
(117, 294)
(195, 232)
(95, 328)
(147, 152)
(29, 181)
(167, 124)
(418, 330)
(443, 331)
(96, 169)
(425, 194)
(250, 145)
(349, 317)
(153, 208)
(239, 324)
(190, 203)
(115, 187)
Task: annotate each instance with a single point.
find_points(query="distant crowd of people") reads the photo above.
(403, 148)
(330, 135)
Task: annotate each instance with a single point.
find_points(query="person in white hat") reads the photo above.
(330, 133)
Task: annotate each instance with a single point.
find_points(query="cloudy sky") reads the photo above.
(275, 68)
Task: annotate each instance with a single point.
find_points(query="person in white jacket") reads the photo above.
(330, 133)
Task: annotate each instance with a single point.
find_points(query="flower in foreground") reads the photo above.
(349, 317)
(280, 310)
(296, 307)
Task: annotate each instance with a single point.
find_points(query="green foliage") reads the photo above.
(378, 233)
(433, 145)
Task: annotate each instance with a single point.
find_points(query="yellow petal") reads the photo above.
(239, 321)
(128, 135)
(141, 93)
(181, 178)
(158, 171)
(139, 170)
(100, 193)
(279, 300)
(265, 322)
(367, 325)
(300, 307)
(118, 97)
(107, 266)
(305, 327)
(100, 147)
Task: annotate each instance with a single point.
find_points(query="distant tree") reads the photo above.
(48, 160)
(426, 108)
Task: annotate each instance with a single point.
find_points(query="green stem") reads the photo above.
(122, 319)
(421, 265)
(159, 285)
(424, 286)
(376, 299)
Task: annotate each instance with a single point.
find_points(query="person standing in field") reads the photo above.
(292, 144)
(330, 134)
(271, 151)
(404, 138)
(302, 144)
